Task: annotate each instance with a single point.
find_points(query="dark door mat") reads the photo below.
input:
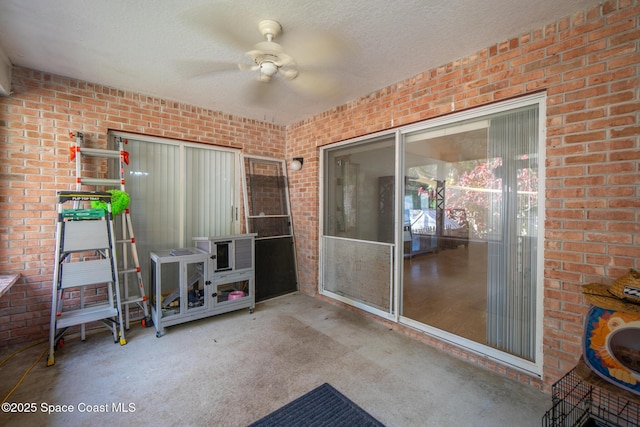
(321, 407)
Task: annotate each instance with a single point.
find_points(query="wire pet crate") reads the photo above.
(582, 399)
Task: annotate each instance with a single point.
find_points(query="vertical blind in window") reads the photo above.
(178, 191)
(209, 193)
(512, 261)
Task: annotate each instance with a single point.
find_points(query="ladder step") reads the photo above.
(99, 181)
(133, 300)
(127, 271)
(84, 315)
(86, 273)
(114, 154)
(85, 235)
(124, 241)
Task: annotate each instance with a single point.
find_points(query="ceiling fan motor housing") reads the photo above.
(269, 29)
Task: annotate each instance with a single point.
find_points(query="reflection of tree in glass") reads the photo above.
(479, 186)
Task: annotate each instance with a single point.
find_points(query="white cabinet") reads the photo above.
(214, 277)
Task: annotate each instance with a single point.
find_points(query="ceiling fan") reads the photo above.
(269, 57)
(310, 64)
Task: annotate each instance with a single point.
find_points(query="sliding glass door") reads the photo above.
(460, 210)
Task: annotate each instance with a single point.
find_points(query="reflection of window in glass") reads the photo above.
(346, 195)
(456, 155)
(359, 190)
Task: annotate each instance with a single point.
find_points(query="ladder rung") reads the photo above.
(100, 152)
(98, 181)
(84, 315)
(129, 270)
(133, 300)
(85, 273)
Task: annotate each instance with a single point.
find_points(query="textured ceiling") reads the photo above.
(188, 50)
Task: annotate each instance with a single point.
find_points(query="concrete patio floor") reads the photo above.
(233, 369)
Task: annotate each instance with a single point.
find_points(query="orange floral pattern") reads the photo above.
(606, 323)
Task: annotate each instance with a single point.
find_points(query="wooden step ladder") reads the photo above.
(86, 268)
(131, 282)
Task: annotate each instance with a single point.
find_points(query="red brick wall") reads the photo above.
(34, 164)
(588, 64)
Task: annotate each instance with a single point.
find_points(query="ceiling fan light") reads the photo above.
(268, 68)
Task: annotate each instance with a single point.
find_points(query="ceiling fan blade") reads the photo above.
(318, 49)
(269, 47)
(317, 84)
(285, 60)
(248, 67)
(288, 73)
(229, 24)
(193, 69)
(261, 93)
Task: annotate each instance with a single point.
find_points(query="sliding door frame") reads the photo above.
(539, 99)
(396, 250)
